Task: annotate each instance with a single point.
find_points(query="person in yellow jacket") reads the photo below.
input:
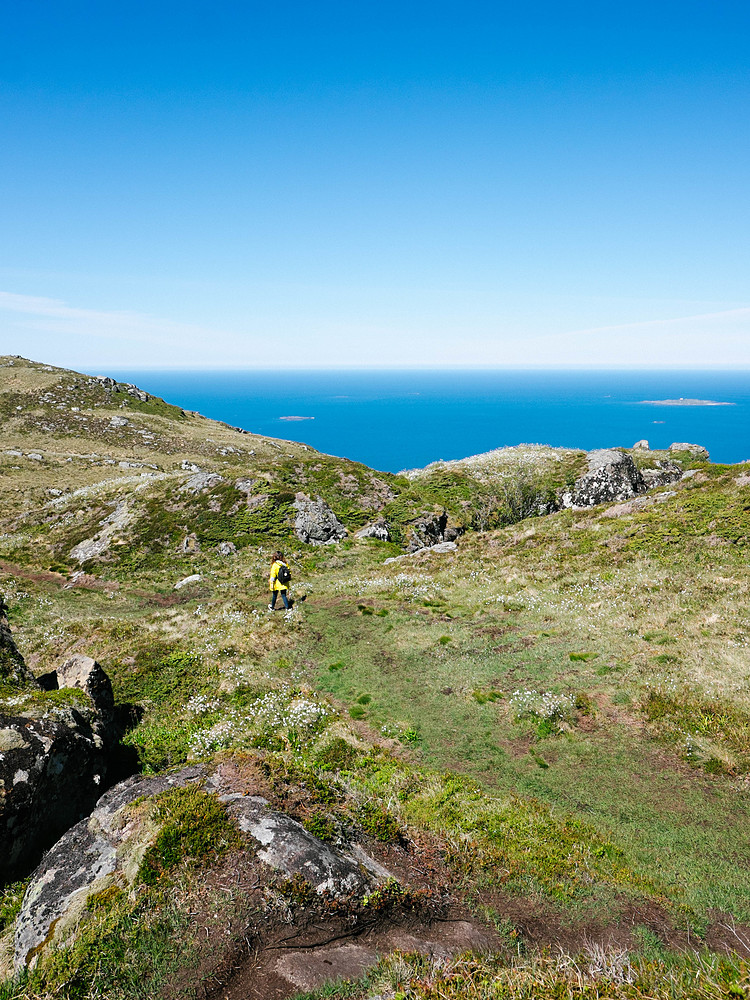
(278, 580)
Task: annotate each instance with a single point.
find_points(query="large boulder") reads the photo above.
(315, 523)
(107, 848)
(611, 475)
(54, 750)
(84, 673)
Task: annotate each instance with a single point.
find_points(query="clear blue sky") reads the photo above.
(375, 184)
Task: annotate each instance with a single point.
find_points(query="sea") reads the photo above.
(394, 420)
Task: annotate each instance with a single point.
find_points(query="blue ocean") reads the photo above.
(393, 420)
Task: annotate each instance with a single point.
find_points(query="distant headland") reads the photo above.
(684, 402)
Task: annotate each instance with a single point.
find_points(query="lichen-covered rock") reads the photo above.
(664, 473)
(315, 523)
(53, 753)
(103, 849)
(13, 669)
(378, 529)
(200, 481)
(611, 475)
(52, 768)
(696, 450)
(108, 848)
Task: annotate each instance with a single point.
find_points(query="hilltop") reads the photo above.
(529, 708)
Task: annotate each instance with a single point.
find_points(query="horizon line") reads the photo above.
(725, 367)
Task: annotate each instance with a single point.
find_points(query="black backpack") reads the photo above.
(284, 576)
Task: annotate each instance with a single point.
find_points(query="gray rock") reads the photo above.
(201, 481)
(186, 581)
(226, 548)
(108, 847)
(696, 450)
(92, 548)
(53, 757)
(315, 522)
(190, 545)
(440, 549)
(663, 474)
(641, 445)
(378, 529)
(118, 421)
(289, 848)
(85, 673)
(611, 475)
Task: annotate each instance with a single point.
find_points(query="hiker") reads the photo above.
(278, 580)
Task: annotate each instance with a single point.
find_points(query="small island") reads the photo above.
(296, 418)
(684, 402)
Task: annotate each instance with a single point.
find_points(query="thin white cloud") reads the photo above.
(725, 317)
(55, 316)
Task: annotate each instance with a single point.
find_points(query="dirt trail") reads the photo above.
(291, 961)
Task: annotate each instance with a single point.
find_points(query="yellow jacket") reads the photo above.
(273, 578)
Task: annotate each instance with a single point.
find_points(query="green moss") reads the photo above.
(195, 825)
(337, 755)
(378, 822)
(321, 826)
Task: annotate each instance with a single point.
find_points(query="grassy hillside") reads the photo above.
(563, 703)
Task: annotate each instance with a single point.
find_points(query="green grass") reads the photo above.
(603, 974)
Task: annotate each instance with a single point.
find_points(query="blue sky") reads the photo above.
(349, 184)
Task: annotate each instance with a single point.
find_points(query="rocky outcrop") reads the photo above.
(84, 673)
(611, 475)
(53, 757)
(13, 669)
(200, 481)
(430, 530)
(378, 529)
(107, 848)
(92, 548)
(315, 523)
(664, 473)
(696, 450)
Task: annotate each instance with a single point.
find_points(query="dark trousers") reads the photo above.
(284, 598)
